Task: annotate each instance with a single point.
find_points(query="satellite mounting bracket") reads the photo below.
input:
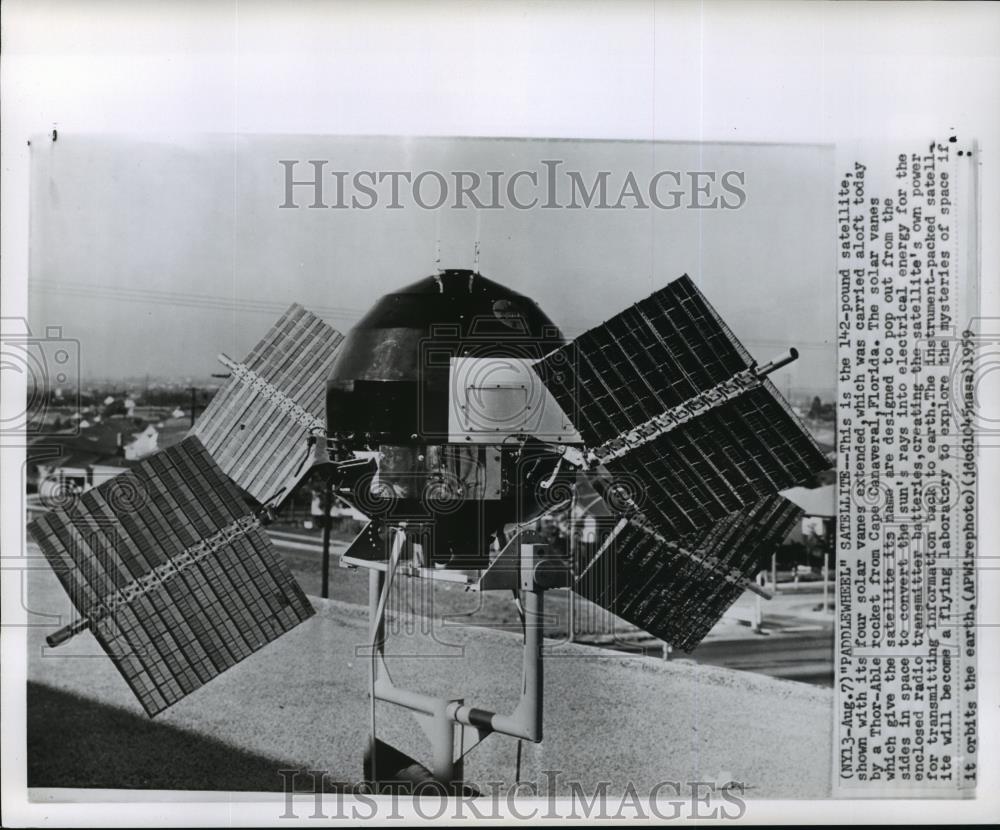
(522, 565)
(441, 717)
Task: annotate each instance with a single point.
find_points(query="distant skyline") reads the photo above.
(158, 256)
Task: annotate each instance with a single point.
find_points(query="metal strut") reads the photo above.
(445, 719)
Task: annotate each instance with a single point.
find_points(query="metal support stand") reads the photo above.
(327, 502)
(453, 727)
(571, 617)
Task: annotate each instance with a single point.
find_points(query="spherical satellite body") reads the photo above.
(434, 385)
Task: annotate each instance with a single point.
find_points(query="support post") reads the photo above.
(327, 502)
(571, 615)
(442, 734)
(534, 681)
(376, 630)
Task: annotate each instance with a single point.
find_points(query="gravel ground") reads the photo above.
(301, 702)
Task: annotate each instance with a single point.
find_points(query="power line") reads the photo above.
(175, 298)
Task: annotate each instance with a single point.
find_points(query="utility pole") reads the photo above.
(194, 395)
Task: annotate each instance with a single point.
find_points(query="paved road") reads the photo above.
(804, 657)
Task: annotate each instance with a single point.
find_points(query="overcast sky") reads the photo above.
(128, 236)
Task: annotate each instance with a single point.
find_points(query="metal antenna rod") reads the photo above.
(437, 246)
(475, 261)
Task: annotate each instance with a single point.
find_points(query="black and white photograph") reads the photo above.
(537, 412)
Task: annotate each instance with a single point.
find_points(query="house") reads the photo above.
(819, 504)
(143, 443)
(74, 463)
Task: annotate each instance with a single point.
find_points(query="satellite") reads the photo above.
(453, 415)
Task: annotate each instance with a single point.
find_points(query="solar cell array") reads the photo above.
(665, 394)
(651, 357)
(678, 590)
(714, 464)
(670, 404)
(174, 574)
(258, 425)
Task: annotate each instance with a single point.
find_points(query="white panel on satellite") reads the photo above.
(495, 397)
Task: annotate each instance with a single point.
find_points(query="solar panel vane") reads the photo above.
(665, 394)
(173, 574)
(697, 442)
(678, 590)
(259, 424)
(652, 358)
